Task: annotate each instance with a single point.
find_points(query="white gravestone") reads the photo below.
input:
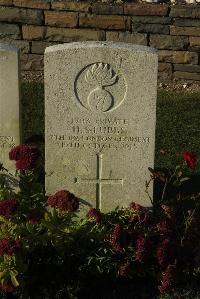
(9, 103)
(100, 121)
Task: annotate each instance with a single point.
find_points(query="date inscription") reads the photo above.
(111, 134)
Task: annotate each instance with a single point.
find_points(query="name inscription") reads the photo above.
(101, 134)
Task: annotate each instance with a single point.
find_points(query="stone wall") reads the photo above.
(33, 25)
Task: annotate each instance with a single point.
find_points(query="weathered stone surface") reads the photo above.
(33, 32)
(32, 62)
(100, 121)
(165, 71)
(104, 22)
(22, 45)
(151, 28)
(187, 68)
(178, 56)
(174, 30)
(72, 35)
(107, 9)
(186, 22)
(6, 2)
(151, 20)
(38, 47)
(187, 76)
(194, 48)
(61, 19)
(139, 9)
(9, 30)
(9, 103)
(194, 41)
(185, 11)
(169, 42)
(20, 15)
(41, 4)
(127, 37)
(72, 6)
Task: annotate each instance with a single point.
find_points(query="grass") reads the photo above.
(177, 129)
(32, 109)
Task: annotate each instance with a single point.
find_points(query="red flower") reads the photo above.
(136, 207)
(23, 165)
(165, 226)
(9, 247)
(64, 201)
(190, 159)
(34, 217)
(169, 212)
(142, 248)
(165, 252)
(95, 214)
(14, 154)
(25, 156)
(140, 214)
(7, 287)
(145, 218)
(118, 238)
(168, 279)
(124, 269)
(8, 207)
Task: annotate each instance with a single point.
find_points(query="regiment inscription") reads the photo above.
(100, 121)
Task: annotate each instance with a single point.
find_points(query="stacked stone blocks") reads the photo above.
(32, 25)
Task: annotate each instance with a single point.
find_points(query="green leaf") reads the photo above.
(2, 274)
(177, 167)
(179, 174)
(13, 275)
(2, 280)
(184, 179)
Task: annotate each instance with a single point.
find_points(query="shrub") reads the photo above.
(47, 251)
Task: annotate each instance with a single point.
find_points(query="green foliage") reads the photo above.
(177, 128)
(32, 109)
(119, 254)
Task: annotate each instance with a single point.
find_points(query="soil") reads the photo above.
(29, 76)
(180, 86)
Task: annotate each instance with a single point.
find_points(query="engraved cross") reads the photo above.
(99, 181)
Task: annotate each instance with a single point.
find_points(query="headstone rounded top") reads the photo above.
(100, 44)
(100, 113)
(8, 48)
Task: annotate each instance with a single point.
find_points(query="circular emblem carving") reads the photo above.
(99, 88)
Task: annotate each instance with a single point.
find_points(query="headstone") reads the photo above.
(100, 121)
(9, 104)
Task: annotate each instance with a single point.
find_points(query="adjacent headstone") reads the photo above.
(9, 103)
(100, 121)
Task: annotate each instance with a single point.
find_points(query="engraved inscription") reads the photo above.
(99, 142)
(99, 88)
(3, 58)
(100, 75)
(99, 181)
(7, 142)
(104, 133)
(98, 121)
